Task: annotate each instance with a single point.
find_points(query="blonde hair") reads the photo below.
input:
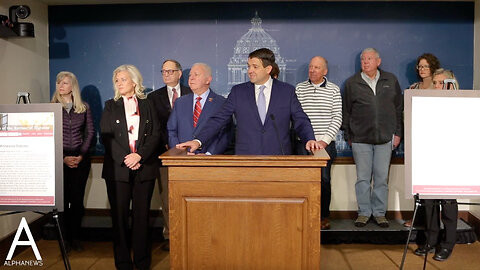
(448, 73)
(136, 78)
(78, 105)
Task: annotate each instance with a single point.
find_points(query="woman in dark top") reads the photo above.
(130, 132)
(78, 134)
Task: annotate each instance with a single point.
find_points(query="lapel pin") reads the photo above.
(117, 121)
(210, 99)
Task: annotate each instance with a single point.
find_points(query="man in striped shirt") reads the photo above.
(322, 102)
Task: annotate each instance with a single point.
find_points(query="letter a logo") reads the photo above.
(31, 242)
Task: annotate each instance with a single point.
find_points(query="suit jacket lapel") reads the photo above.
(188, 110)
(274, 99)
(142, 106)
(207, 108)
(164, 98)
(184, 90)
(120, 116)
(252, 101)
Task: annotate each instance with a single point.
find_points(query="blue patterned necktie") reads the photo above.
(261, 104)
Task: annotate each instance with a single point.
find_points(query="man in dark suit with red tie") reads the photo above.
(164, 100)
(263, 109)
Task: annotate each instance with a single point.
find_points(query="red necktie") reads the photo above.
(174, 97)
(197, 111)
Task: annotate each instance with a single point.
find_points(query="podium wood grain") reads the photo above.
(244, 212)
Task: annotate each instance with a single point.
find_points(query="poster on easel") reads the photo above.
(31, 157)
(442, 158)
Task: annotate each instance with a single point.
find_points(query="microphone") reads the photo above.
(276, 132)
(450, 84)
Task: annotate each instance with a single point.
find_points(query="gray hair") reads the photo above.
(206, 67)
(321, 57)
(370, 50)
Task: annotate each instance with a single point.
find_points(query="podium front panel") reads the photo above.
(240, 214)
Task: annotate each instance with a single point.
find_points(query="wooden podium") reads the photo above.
(244, 212)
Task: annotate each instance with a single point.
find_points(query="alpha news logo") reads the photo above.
(23, 226)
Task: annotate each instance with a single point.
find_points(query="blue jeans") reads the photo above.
(372, 162)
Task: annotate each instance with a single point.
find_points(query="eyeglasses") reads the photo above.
(422, 67)
(169, 71)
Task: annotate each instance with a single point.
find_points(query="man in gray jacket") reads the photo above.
(373, 125)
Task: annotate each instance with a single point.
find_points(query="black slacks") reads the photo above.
(120, 194)
(449, 209)
(326, 194)
(74, 183)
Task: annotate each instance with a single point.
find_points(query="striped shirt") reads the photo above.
(323, 105)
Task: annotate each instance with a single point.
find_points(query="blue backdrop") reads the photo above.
(91, 41)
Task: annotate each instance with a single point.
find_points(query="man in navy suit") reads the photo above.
(192, 111)
(164, 99)
(263, 109)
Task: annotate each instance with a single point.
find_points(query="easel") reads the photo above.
(61, 242)
(417, 204)
(427, 247)
(25, 97)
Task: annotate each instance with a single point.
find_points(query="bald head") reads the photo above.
(317, 69)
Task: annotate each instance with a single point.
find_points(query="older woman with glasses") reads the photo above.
(427, 64)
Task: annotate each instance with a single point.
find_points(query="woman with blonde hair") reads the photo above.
(444, 75)
(130, 132)
(78, 135)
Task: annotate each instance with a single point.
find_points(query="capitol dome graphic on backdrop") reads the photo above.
(254, 39)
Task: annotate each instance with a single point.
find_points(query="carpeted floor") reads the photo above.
(99, 255)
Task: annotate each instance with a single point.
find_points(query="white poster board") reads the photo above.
(442, 156)
(31, 157)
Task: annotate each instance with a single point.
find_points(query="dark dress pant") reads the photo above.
(74, 183)
(120, 194)
(449, 214)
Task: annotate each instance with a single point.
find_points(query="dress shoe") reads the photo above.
(421, 251)
(325, 224)
(442, 255)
